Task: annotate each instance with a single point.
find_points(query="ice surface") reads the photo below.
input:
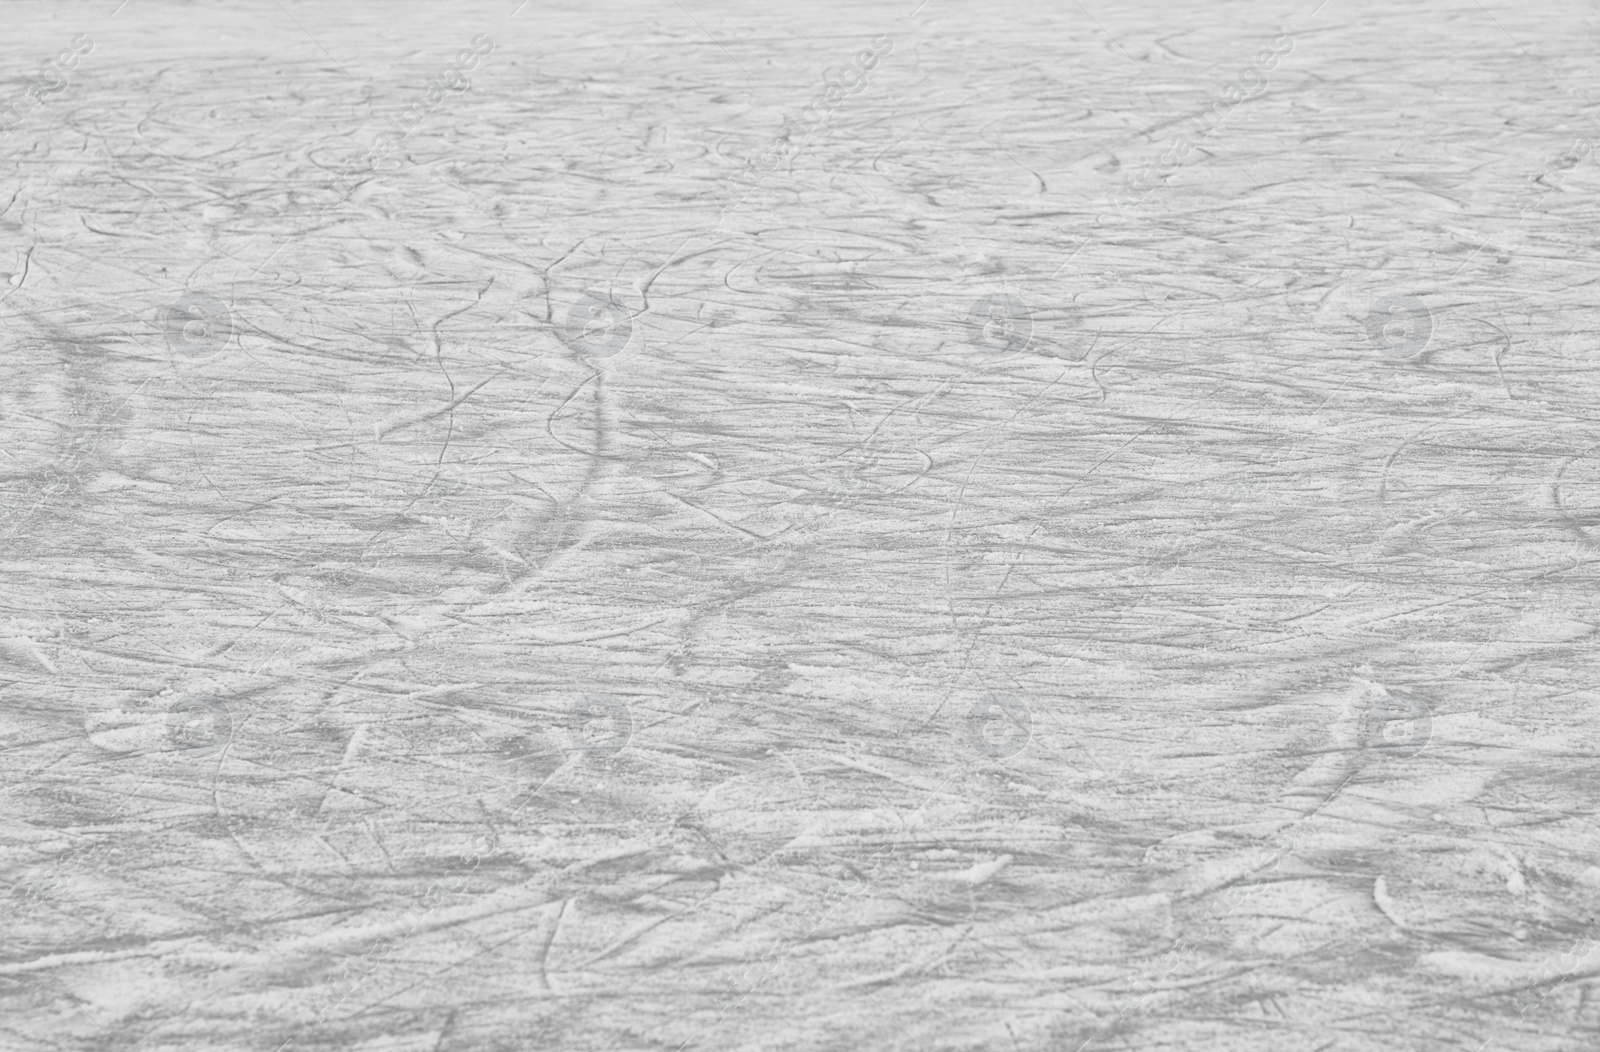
(536, 527)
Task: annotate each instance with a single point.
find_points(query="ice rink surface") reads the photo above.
(709, 526)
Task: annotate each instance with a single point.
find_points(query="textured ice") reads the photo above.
(733, 526)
